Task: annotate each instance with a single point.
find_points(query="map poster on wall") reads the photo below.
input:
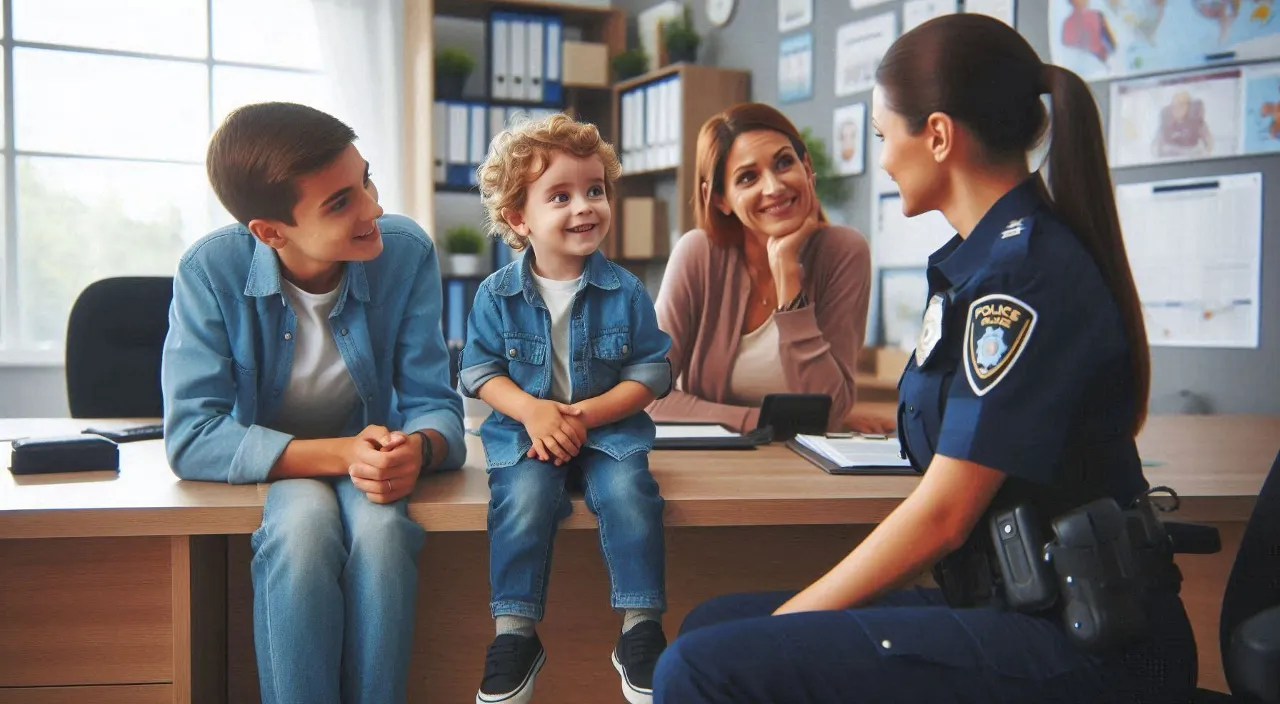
(1103, 39)
(1262, 109)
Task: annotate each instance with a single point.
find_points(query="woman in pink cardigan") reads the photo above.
(765, 296)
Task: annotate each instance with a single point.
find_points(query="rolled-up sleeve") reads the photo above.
(648, 363)
(198, 381)
(482, 359)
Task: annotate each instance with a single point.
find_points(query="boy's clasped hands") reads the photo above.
(558, 430)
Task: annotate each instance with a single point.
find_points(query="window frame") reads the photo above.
(14, 352)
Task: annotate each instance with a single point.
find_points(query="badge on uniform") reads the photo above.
(930, 329)
(995, 335)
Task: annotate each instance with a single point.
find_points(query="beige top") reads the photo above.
(702, 306)
(756, 373)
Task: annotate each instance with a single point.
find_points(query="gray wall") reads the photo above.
(1228, 381)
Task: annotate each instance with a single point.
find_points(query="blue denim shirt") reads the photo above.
(613, 334)
(229, 351)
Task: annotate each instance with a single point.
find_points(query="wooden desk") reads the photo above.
(119, 583)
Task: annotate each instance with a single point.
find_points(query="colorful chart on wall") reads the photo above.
(1262, 109)
(1102, 39)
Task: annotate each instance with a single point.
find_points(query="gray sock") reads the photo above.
(518, 625)
(632, 617)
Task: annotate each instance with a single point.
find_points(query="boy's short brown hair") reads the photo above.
(259, 151)
(522, 152)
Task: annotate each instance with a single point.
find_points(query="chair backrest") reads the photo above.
(1254, 584)
(115, 336)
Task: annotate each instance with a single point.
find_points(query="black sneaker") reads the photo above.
(635, 657)
(510, 665)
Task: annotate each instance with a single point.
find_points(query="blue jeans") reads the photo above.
(335, 582)
(528, 500)
(911, 647)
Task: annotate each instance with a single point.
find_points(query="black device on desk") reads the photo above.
(153, 431)
(70, 453)
(788, 415)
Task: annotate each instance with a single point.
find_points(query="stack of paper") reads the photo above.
(855, 451)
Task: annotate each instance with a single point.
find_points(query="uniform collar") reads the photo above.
(960, 258)
(264, 276)
(595, 272)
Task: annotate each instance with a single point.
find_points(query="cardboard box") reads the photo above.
(585, 64)
(639, 228)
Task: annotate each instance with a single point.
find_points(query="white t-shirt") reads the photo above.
(321, 394)
(558, 295)
(757, 368)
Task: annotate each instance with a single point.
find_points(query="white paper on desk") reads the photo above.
(899, 241)
(685, 432)
(1194, 246)
(859, 48)
(856, 451)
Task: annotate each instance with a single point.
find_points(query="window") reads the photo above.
(108, 108)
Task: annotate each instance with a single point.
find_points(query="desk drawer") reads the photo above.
(119, 694)
(85, 611)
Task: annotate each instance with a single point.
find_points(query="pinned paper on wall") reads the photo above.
(917, 12)
(859, 48)
(899, 241)
(1196, 290)
(1003, 10)
(794, 14)
(795, 68)
(848, 139)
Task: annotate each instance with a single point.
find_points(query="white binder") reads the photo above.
(536, 44)
(519, 54)
(440, 148)
(499, 52)
(479, 145)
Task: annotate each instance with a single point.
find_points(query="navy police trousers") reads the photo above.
(911, 648)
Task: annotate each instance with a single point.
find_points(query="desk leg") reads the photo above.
(199, 619)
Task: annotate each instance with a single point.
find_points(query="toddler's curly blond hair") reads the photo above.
(522, 152)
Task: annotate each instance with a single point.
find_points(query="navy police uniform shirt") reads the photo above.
(1022, 357)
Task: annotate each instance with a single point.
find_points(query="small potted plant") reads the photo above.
(464, 244)
(830, 188)
(630, 63)
(453, 68)
(680, 38)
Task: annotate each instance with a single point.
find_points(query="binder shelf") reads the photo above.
(657, 118)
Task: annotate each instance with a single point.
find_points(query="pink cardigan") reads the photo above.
(702, 305)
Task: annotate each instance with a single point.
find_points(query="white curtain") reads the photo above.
(362, 48)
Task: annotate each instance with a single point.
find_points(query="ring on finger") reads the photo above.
(388, 481)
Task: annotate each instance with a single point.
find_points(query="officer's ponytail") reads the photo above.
(1086, 202)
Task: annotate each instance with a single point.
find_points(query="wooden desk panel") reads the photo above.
(85, 611)
(121, 694)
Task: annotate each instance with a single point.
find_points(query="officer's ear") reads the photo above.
(940, 134)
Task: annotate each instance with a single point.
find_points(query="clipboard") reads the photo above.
(705, 436)
(831, 467)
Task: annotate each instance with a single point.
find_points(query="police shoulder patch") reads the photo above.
(995, 335)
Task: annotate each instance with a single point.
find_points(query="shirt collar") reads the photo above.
(595, 272)
(264, 277)
(960, 258)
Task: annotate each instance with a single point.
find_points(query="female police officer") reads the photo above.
(1029, 382)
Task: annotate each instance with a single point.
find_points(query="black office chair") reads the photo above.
(115, 335)
(1250, 623)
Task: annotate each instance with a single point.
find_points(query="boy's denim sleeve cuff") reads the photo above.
(655, 375)
(472, 378)
(257, 454)
(449, 425)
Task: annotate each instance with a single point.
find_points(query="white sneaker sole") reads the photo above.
(634, 695)
(523, 693)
